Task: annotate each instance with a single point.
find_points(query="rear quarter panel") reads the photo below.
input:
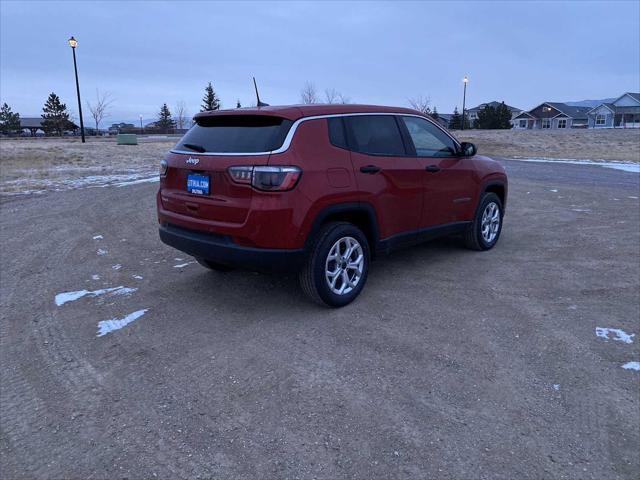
(327, 176)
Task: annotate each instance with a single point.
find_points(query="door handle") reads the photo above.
(432, 168)
(370, 169)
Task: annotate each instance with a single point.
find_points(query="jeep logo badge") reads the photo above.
(193, 161)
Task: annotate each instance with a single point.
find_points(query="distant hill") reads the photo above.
(590, 103)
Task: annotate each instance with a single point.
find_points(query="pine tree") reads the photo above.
(55, 115)
(503, 117)
(486, 118)
(165, 123)
(494, 117)
(238, 104)
(456, 120)
(434, 114)
(210, 101)
(9, 121)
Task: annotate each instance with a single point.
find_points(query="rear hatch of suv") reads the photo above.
(198, 183)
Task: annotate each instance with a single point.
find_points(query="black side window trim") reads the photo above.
(351, 142)
(340, 120)
(409, 146)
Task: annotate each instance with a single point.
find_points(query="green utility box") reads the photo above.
(127, 139)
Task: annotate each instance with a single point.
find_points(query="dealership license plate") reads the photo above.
(198, 184)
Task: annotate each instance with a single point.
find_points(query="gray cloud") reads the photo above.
(148, 53)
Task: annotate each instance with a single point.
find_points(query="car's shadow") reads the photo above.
(240, 289)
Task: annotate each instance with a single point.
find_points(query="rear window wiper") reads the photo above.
(194, 147)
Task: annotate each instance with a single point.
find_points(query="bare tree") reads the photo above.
(100, 109)
(422, 104)
(331, 96)
(181, 115)
(343, 99)
(308, 94)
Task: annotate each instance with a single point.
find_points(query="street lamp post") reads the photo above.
(73, 43)
(141, 129)
(465, 80)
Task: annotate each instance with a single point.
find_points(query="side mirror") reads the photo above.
(468, 149)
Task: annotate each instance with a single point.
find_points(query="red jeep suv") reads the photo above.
(321, 189)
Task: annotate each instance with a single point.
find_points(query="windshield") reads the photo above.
(235, 134)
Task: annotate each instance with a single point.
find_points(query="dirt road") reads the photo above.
(452, 364)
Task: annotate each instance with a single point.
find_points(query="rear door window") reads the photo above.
(235, 134)
(374, 134)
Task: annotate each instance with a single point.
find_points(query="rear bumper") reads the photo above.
(222, 249)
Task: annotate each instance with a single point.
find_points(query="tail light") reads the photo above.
(267, 178)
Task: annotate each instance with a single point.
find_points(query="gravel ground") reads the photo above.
(452, 364)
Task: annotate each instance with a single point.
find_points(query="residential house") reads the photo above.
(122, 127)
(472, 113)
(623, 112)
(443, 119)
(552, 115)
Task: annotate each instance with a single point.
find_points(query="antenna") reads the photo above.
(260, 104)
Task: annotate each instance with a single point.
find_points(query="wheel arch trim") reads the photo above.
(345, 208)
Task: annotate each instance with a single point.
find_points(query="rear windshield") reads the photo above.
(235, 134)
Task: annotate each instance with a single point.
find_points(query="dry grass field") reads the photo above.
(35, 165)
(42, 164)
(606, 144)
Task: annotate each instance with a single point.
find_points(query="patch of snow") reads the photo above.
(98, 237)
(631, 366)
(580, 210)
(620, 335)
(556, 386)
(178, 259)
(625, 167)
(108, 326)
(155, 178)
(117, 266)
(183, 265)
(101, 251)
(554, 190)
(633, 197)
(66, 297)
(95, 277)
(137, 277)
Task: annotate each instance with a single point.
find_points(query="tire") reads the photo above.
(474, 237)
(218, 267)
(350, 277)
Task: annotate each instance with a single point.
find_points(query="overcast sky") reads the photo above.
(148, 53)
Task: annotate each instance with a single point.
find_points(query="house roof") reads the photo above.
(635, 96)
(573, 112)
(494, 104)
(610, 106)
(36, 122)
(524, 113)
(31, 122)
(294, 112)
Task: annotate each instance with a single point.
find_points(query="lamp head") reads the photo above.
(73, 42)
